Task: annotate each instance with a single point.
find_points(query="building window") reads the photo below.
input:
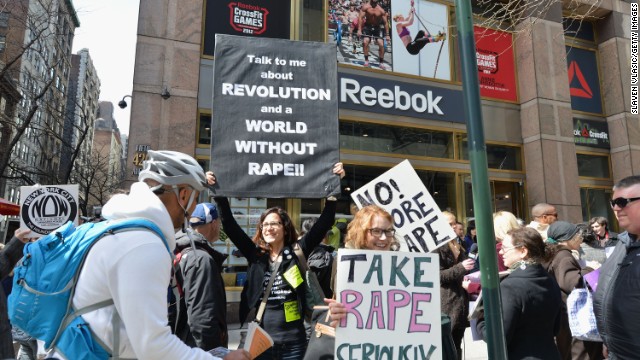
(396, 140)
(595, 202)
(441, 185)
(204, 129)
(505, 196)
(579, 29)
(594, 166)
(3, 42)
(4, 19)
(499, 157)
(313, 20)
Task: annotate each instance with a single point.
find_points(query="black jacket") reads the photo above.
(259, 260)
(616, 302)
(531, 306)
(202, 319)
(9, 256)
(321, 263)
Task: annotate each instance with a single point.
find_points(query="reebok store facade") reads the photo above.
(405, 106)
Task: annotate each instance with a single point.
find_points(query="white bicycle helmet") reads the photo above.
(173, 168)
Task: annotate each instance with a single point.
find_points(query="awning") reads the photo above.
(9, 208)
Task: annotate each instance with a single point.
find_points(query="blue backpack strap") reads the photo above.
(112, 228)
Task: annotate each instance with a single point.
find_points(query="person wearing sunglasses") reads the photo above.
(543, 215)
(616, 302)
(271, 254)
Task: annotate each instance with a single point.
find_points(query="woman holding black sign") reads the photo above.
(272, 261)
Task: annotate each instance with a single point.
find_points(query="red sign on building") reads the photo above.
(496, 65)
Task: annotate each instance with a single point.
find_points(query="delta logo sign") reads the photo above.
(590, 133)
(584, 82)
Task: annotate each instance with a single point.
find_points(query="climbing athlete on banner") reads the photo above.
(422, 38)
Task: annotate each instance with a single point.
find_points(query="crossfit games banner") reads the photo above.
(253, 18)
(496, 65)
(274, 130)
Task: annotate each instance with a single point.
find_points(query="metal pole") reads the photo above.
(494, 330)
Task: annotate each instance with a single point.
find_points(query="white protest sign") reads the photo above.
(393, 305)
(44, 208)
(416, 216)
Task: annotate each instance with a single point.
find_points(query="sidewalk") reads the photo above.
(472, 350)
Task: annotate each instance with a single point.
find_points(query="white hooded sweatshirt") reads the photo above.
(133, 268)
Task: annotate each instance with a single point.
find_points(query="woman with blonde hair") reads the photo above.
(372, 229)
(503, 223)
(423, 37)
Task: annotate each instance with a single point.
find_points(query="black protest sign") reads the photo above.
(274, 129)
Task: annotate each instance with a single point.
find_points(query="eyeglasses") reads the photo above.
(622, 202)
(270, 224)
(378, 232)
(507, 249)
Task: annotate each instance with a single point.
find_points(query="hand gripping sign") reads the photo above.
(392, 302)
(417, 218)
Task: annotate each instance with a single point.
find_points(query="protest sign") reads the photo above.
(274, 129)
(45, 208)
(392, 301)
(417, 218)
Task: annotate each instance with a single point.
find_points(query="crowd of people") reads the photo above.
(540, 264)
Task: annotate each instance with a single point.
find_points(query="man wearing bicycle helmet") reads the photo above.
(134, 267)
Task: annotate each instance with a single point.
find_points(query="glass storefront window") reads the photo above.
(505, 196)
(313, 20)
(441, 185)
(596, 166)
(395, 140)
(595, 202)
(501, 157)
(204, 129)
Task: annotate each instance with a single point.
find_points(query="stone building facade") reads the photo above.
(534, 154)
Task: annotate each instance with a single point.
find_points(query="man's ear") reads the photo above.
(184, 196)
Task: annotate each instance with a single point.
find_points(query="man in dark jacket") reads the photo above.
(9, 256)
(617, 299)
(202, 315)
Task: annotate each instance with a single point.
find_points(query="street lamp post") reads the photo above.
(122, 103)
